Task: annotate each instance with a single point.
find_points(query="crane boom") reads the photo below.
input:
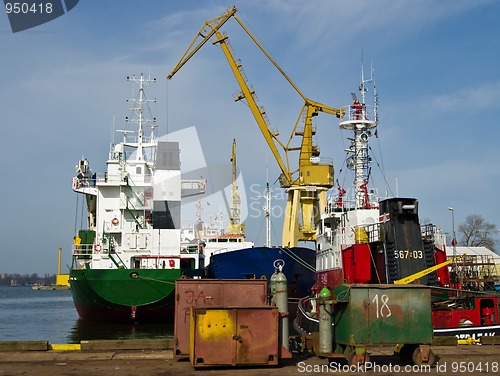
(235, 226)
(257, 111)
(415, 276)
(211, 26)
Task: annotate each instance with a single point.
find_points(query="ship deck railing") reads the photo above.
(105, 178)
(191, 249)
(373, 232)
(220, 250)
(83, 250)
(349, 202)
(359, 112)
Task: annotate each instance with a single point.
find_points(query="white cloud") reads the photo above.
(477, 98)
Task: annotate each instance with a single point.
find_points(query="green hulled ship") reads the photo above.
(129, 253)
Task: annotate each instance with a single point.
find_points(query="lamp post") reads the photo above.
(454, 244)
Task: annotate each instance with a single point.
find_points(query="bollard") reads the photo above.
(325, 322)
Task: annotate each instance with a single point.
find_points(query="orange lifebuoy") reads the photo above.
(97, 248)
(114, 221)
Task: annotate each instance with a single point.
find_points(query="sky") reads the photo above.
(63, 89)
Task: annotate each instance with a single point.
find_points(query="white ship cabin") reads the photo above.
(340, 228)
(212, 240)
(134, 210)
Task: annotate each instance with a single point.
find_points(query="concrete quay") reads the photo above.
(106, 359)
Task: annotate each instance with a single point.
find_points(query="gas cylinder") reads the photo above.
(325, 321)
(279, 291)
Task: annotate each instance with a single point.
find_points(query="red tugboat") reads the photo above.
(362, 239)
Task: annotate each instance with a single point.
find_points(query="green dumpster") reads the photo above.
(372, 315)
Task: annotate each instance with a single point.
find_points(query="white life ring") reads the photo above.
(97, 248)
(114, 221)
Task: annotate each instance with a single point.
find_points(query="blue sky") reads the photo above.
(436, 66)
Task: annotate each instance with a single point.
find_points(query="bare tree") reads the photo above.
(476, 232)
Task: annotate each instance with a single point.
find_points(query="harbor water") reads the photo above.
(49, 315)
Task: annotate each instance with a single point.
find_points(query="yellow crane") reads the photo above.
(307, 184)
(235, 226)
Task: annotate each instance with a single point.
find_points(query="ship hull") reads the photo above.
(258, 262)
(474, 332)
(124, 295)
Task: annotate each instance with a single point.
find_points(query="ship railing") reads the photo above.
(191, 249)
(432, 233)
(359, 112)
(428, 231)
(106, 178)
(79, 182)
(83, 182)
(220, 250)
(83, 250)
(349, 202)
(373, 232)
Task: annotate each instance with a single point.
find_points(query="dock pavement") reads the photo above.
(142, 358)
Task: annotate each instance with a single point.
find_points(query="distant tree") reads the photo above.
(476, 232)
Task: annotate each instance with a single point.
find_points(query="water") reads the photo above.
(36, 315)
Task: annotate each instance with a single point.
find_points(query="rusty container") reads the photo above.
(211, 293)
(239, 336)
(382, 314)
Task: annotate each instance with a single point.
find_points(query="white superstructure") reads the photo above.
(134, 208)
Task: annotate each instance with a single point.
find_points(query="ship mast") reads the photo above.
(361, 120)
(235, 226)
(267, 211)
(139, 119)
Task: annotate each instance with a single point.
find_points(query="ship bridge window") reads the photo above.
(138, 170)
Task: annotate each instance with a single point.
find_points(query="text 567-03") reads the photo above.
(26, 8)
(405, 254)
